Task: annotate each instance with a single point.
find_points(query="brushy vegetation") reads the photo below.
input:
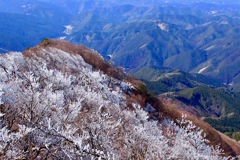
(219, 103)
(234, 135)
(45, 42)
(54, 105)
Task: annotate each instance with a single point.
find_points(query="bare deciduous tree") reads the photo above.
(56, 106)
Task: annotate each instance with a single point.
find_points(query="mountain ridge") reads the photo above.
(140, 94)
(202, 34)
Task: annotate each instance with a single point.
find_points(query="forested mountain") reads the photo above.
(152, 40)
(186, 52)
(163, 34)
(198, 37)
(61, 101)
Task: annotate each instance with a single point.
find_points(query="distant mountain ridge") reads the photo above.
(135, 34)
(28, 22)
(189, 48)
(196, 38)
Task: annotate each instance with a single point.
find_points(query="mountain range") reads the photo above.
(63, 101)
(164, 34)
(185, 52)
(195, 38)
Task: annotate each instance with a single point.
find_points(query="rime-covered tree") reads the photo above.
(56, 106)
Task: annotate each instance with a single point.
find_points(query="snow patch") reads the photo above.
(143, 46)
(62, 38)
(68, 29)
(163, 27)
(205, 24)
(209, 48)
(28, 6)
(88, 38)
(203, 69)
(213, 12)
(229, 84)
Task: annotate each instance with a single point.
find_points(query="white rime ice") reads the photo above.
(56, 106)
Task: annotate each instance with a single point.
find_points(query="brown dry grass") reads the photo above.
(233, 143)
(89, 56)
(230, 146)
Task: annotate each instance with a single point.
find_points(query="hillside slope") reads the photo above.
(134, 34)
(197, 37)
(61, 101)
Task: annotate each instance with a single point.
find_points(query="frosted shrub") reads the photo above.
(59, 107)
